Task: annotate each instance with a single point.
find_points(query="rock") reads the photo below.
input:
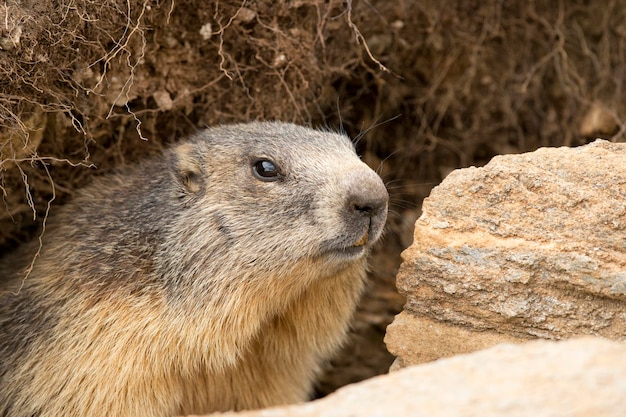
(407, 336)
(531, 245)
(599, 119)
(163, 100)
(583, 378)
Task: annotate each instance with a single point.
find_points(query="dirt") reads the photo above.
(425, 86)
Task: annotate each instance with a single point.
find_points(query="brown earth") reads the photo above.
(426, 87)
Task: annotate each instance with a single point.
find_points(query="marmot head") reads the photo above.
(266, 197)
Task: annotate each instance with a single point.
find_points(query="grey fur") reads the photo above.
(187, 285)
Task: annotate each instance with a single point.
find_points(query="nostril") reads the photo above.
(367, 205)
(365, 209)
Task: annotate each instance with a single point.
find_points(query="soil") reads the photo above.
(423, 86)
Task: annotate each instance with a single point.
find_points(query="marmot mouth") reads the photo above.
(363, 239)
(346, 253)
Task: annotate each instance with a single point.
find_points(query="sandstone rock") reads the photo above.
(582, 378)
(407, 337)
(531, 245)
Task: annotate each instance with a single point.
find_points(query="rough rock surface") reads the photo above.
(531, 245)
(406, 335)
(582, 378)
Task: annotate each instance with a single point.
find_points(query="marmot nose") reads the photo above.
(367, 197)
(368, 205)
(366, 192)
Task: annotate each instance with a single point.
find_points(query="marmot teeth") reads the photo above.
(363, 239)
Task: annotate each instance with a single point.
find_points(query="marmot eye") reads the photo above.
(265, 170)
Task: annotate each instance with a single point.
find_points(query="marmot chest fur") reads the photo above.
(217, 276)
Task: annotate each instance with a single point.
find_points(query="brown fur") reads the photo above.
(188, 285)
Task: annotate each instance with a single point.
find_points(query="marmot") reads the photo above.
(217, 276)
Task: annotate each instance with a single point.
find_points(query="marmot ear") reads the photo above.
(188, 169)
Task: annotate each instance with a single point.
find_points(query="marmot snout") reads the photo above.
(218, 276)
